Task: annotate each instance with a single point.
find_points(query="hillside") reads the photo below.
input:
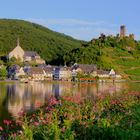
(49, 44)
(122, 54)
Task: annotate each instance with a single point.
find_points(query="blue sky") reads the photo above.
(82, 19)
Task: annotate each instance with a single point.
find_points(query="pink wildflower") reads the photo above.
(44, 122)
(36, 123)
(7, 122)
(63, 130)
(1, 129)
(14, 135)
(19, 122)
(21, 113)
(53, 101)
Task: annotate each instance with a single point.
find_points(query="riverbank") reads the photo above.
(9, 81)
(57, 81)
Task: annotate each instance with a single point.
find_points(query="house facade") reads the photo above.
(15, 72)
(48, 73)
(65, 73)
(106, 74)
(62, 73)
(37, 74)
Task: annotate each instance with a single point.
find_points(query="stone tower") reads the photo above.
(122, 31)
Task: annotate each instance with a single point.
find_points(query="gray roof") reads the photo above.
(87, 68)
(31, 53)
(36, 70)
(48, 69)
(102, 72)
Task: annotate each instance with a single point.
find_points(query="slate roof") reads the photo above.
(31, 53)
(48, 69)
(103, 72)
(87, 68)
(36, 70)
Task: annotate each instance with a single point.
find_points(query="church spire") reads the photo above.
(18, 43)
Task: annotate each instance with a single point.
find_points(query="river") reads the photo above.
(16, 97)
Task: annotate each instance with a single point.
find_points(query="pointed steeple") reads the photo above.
(18, 43)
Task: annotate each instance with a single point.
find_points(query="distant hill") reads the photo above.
(49, 44)
(122, 54)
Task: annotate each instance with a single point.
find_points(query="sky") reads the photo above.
(81, 19)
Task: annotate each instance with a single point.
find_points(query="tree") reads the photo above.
(1, 62)
(14, 61)
(3, 73)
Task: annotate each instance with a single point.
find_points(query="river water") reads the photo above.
(16, 97)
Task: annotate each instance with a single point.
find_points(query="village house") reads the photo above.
(93, 71)
(20, 73)
(106, 74)
(65, 73)
(36, 74)
(15, 72)
(48, 73)
(56, 71)
(100, 74)
(25, 56)
(62, 73)
(84, 68)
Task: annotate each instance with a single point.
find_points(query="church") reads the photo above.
(25, 56)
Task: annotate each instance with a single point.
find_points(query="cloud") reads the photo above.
(87, 33)
(68, 22)
(80, 29)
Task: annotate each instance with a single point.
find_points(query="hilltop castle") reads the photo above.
(123, 32)
(25, 56)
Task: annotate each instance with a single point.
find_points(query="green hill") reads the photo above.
(122, 54)
(49, 44)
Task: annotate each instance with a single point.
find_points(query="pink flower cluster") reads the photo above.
(1, 128)
(7, 122)
(73, 99)
(53, 101)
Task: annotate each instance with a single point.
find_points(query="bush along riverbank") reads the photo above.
(73, 117)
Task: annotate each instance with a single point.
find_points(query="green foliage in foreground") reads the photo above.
(33, 37)
(102, 117)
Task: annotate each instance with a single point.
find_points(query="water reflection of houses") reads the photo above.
(26, 97)
(90, 89)
(15, 101)
(60, 89)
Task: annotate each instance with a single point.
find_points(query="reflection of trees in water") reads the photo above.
(4, 114)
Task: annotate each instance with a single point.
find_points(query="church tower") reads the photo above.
(17, 52)
(18, 43)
